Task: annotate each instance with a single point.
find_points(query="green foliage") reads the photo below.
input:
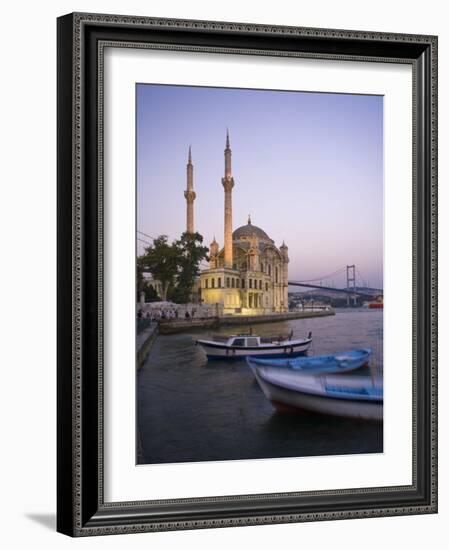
(192, 252)
(143, 286)
(139, 276)
(179, 294)
(175, 265)
(150, 294)
(161, 259)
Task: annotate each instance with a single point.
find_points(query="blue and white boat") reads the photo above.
(339, 362)
(240, 346)
(345, 395)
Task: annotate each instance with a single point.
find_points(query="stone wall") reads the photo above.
(144, 342)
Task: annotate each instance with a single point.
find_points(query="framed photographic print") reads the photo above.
(247, 290)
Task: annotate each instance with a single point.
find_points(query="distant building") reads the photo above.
(249, 275)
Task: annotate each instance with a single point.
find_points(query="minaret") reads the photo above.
(213, 249)
(228, 184)
(284, 252)
(190, 194)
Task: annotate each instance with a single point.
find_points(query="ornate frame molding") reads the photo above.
(81, 43)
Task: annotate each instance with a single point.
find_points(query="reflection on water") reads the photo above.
(190, 409)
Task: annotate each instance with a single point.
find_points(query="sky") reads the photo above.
(307, 166)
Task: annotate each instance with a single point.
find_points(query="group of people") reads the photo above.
(164, 314)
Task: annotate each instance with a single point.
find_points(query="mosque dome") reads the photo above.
(249, 230)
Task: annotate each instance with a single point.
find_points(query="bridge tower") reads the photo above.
(350, 283)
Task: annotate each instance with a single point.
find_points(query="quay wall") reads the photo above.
(172, 326)
(144, 342)
(274, 317)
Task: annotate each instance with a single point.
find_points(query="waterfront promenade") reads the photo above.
(173, 326)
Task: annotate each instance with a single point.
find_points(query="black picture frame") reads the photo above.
(81, 509)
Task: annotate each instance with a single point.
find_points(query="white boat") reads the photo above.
(239, 346)
(345, 395)
(343, 361)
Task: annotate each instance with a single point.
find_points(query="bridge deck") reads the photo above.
(352, 292)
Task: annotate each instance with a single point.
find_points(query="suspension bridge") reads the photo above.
(356, 286)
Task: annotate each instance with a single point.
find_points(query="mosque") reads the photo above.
(249, 274)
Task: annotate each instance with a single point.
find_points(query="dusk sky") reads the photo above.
(308, 167)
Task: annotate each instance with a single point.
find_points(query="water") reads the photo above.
(190, 409)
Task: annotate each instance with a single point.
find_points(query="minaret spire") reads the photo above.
(190, 194)
(228, 157)
(228, 184)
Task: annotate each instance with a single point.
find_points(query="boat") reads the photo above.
(377, 303)
(345, 395)
(240, 346)
(339, 362)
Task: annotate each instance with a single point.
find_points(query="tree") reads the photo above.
(150, 293)
(191, 253)
(162, 260)
(139, 278)
(175, 265)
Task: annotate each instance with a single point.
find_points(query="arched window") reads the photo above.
(228, 282)
(261, 267)
(243, 283)
(260, 284)
(219, 282)
(213, 282)
(250, 283)
(233, 282)
(266, 287)
(206, 285)
(269, 270)
(276, 274)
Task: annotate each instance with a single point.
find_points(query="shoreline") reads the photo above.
(174, 326)
(144, 343)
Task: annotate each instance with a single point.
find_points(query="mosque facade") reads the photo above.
(248, 275)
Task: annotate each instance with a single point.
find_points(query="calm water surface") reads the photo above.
(190, 409)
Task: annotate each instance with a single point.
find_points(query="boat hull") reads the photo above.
(338, 363)
(283, 399)
(222, 351)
